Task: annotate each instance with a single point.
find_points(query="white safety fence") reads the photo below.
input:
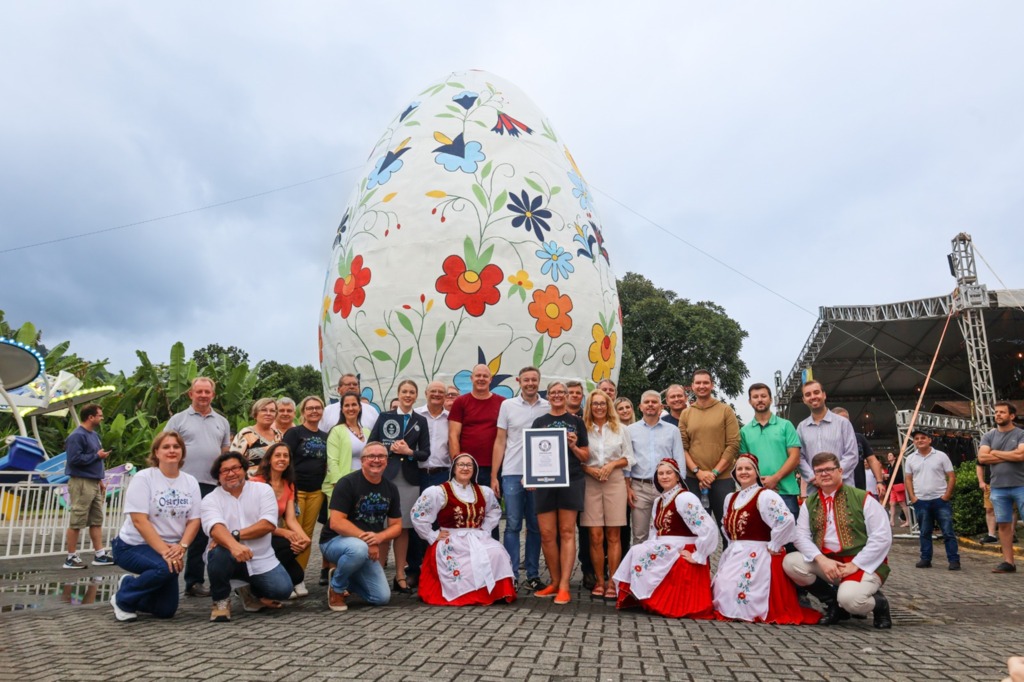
(34, 516)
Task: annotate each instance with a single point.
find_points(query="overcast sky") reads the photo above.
(829, 151)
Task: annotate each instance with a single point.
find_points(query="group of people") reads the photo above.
(652, 498)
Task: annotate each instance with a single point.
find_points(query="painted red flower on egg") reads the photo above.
(349, 288)
(469, 289)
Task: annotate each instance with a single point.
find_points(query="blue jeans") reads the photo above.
(154, 589)
(1003, 501)
(928, 512)
(519, 507)
(222, 569)
(355, 571)
(792, 503)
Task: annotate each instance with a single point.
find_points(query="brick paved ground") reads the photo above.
(949, 626)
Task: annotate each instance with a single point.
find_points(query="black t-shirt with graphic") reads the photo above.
(572, 424)
(367, 505)
(309, 457)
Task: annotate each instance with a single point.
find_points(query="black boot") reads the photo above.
(826, 594)
(883, 620)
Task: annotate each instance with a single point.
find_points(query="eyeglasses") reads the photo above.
(270, 410)
(230, 470)
(464, 465)
(825, 470)
(451, 395)
(556, 392)
(375, 456)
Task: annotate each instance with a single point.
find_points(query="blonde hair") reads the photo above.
(612, 415)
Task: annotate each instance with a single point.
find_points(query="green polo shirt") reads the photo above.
(769, 444)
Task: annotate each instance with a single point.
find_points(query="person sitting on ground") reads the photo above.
(240, 517)
(750, 584)
(669, 573)
(463, 564)
(345, 442)
(253, 441)
(365, 513)
(288, 539)
(843, 540)
(161, 519)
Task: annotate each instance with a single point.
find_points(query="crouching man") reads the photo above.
(239, 517)
(364, 513)
(843, 540)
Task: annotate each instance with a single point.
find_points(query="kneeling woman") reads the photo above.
(750, 584)
(668, 574)
(162, 509)
(463, 565)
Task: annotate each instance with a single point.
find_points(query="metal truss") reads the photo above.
(922, 308)
(971, 299)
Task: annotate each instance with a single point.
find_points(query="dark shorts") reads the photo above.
(552, 499)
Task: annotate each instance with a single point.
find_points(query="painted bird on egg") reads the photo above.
(470, 238)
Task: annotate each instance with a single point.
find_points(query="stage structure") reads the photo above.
(870, 357)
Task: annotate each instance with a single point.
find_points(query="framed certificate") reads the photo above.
(546, 455)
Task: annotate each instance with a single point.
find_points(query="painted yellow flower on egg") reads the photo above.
(602, 353)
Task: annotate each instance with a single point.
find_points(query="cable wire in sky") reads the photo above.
(207, 207)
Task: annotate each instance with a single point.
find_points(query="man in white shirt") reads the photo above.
(843, 540)
(239, 517)
(652, 440)
(515, 415)
(437, 467)
(348, 383)
(929, 478)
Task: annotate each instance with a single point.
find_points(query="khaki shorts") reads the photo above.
(988, 501)
(604, 504)
(86, 503)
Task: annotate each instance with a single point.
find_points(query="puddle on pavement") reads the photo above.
(31, 590)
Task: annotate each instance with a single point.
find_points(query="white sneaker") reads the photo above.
(300, 591)
(120, 613)
(250, 602)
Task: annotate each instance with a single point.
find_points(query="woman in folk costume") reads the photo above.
(463, 565)
(668, 574)
(750, 584)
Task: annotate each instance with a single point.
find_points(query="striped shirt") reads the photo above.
(832, 434)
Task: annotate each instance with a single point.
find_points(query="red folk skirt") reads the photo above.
(684, 593)
(430, 587)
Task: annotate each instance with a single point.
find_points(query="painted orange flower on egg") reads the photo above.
(467, 288)
(348, 289)
(551, 310)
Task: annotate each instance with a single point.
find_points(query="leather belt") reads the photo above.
(644, 480)
(435, 470)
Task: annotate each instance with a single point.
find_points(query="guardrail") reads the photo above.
(34, 515)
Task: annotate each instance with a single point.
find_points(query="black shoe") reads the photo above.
(826, 594)
(883, 619)
(923, 564)
(398, 588)
(988, 540)
(323, 577)
(833, 614)
(954, 565)
(1005, 567)
(413, 580)
(589, 581)
(197, 590)
(534, 584)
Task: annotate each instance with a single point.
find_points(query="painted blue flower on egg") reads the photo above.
(387, 165)
(457, 154)
(556, 261)
(466, 99)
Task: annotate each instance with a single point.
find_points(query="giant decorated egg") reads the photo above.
(471, 237)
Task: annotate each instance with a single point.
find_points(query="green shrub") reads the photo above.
(968, 501)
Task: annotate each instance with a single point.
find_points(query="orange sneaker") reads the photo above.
(549, 591)
(563, 597)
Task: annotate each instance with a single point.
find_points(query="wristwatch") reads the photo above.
(236, 535)
(184, 545)
(695, 470)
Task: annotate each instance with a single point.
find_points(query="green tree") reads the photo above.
(293, 382)
(666, 338)
(214, 355)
